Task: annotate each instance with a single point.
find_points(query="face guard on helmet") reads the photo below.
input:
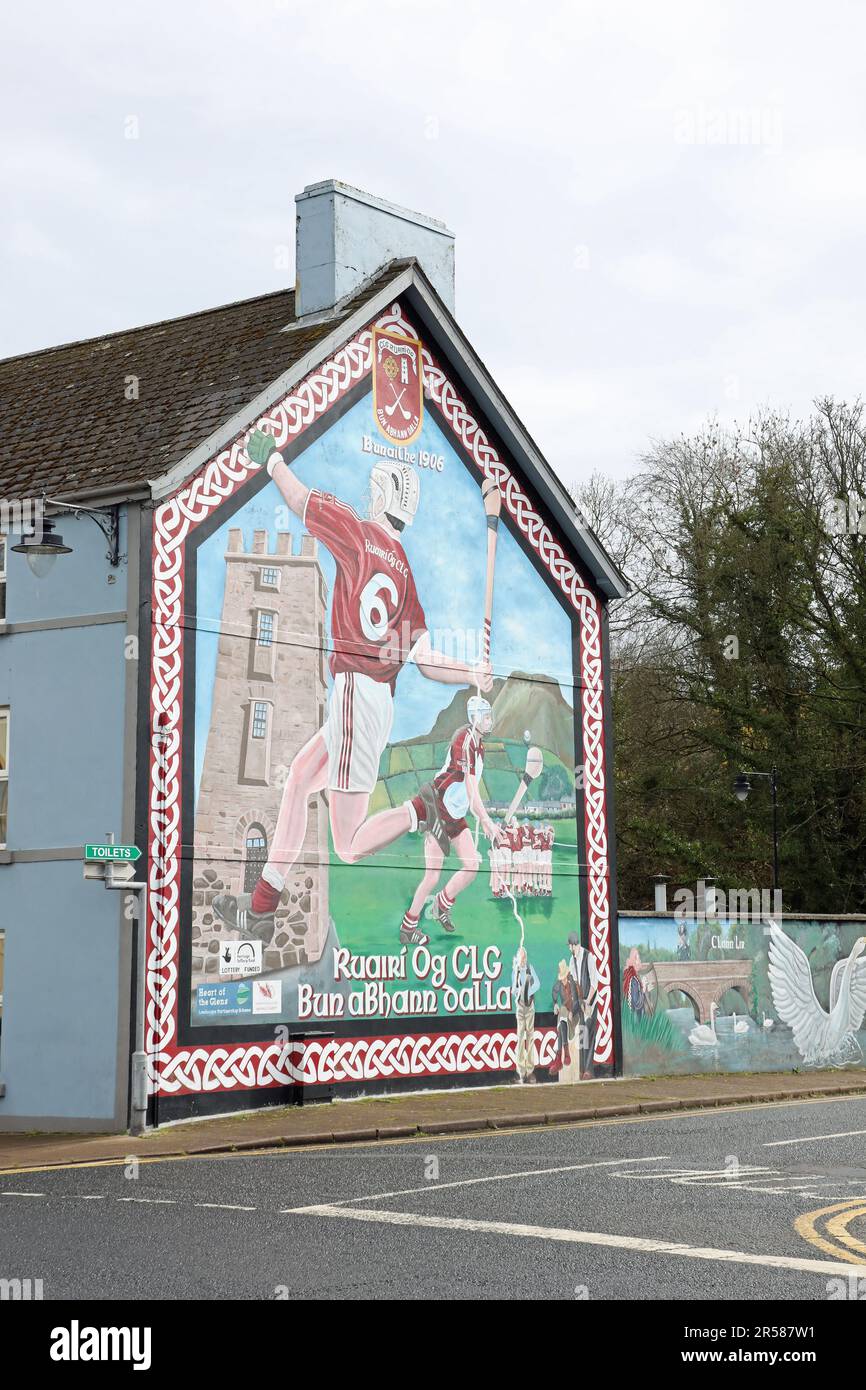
(394, 489)
(480, 713)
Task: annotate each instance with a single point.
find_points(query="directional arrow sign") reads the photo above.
(106, 853)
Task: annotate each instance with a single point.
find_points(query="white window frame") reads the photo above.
(4, 561)
(266, 627)
(265, 581)
(260, 721)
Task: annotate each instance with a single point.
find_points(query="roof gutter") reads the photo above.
(111, 497)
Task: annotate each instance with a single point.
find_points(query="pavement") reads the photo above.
(428, 1113)
(763, 1202)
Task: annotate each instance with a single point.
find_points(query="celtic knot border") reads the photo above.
(174, 1069)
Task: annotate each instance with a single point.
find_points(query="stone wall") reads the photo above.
(242, 777)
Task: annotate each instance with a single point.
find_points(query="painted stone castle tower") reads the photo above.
(269, 698)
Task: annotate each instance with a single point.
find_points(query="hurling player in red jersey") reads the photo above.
(512, 839)
(547, 859)
(440, 810)
(377, 625)
(521, 840)
(537, 847)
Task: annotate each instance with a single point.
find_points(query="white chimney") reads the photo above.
(343, 236)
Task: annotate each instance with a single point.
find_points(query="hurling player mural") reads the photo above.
(384, 796)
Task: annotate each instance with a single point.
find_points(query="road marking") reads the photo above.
(555, 1233)
(702, 1175)
(22, 1194)
(223, 1206)
(838, 1227)
(107, 1163)
(813, 1138)
(741, 1179)
(495, 1177)
(150, 1201)
(806, 1226)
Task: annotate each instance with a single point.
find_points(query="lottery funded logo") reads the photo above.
(398, 391)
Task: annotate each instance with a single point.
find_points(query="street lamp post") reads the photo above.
(742, 787)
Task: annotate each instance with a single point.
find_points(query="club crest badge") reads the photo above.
(398, 394)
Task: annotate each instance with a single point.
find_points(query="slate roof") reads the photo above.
(66, 428)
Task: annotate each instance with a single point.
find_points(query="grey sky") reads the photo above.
(659, 208)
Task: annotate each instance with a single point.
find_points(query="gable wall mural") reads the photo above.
(377, 801)
(742, 995)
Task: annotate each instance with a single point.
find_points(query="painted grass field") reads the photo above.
(367, 902)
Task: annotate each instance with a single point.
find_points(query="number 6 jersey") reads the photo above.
(376, 615)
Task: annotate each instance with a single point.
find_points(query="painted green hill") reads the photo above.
(521, 702)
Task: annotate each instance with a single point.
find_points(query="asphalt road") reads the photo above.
(587, 1211)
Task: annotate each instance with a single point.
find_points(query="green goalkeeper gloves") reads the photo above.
(260, 446)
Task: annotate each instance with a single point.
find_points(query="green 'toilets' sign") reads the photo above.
(93, 853)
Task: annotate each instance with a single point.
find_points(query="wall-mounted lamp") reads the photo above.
(42, 546)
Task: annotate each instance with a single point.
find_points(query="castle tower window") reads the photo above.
(255, 766)
(256, 854)
(269, 577)
(260, 719)
(263, 646)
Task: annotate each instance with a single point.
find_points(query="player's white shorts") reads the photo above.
(358, 726)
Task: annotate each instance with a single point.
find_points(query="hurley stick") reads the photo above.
(492, 499)
(534, 765)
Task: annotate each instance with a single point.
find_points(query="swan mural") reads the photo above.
(822, 1038)
(704, 1035)
(765, 978)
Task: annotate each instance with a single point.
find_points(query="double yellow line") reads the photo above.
(827, 1228)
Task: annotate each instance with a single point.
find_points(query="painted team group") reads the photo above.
(521, 860)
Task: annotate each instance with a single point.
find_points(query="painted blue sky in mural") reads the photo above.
(654, 932)
(660, 933)
(446, 547)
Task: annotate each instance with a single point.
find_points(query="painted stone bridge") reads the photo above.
(705, 981)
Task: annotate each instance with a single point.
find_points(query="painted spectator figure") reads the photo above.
(633, 987)
(524, 987)
(584, 974)
(566, 1007)
(683, 948)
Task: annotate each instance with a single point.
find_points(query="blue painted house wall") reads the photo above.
(66, 988)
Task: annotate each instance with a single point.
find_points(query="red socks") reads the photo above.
(265, 898)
